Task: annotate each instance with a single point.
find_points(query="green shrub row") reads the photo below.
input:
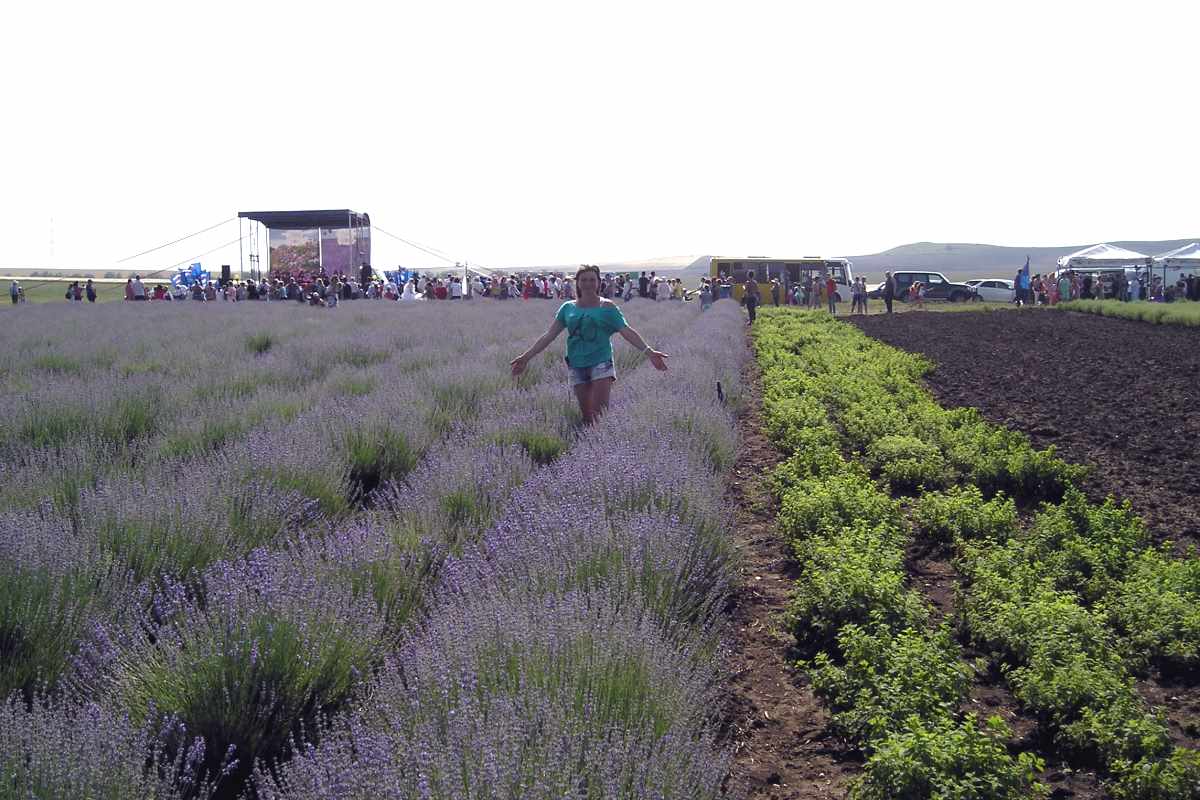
(1069, 608)
(1180, 313)
(823, 369)
(895, 685)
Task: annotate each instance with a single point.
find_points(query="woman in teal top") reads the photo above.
(589, 321)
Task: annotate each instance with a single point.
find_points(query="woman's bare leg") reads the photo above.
(583, 393)
(600, 392)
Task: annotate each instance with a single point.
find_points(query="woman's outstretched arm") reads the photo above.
(519, 363)
(659, 360)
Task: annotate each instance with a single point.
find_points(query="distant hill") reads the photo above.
(673, 264)
(986, 260)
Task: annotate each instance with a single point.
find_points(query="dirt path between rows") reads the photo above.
(779, 729)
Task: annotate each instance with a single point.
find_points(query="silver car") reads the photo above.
(993, 290)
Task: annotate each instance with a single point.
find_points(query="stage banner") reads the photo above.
(337, 251)
(293, 250)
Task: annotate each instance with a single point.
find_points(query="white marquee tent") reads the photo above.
(1103, 256)
(1180, 261)
(1181, 257)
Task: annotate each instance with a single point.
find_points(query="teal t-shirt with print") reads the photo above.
(588, 332)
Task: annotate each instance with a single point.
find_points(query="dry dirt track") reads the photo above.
(1122, 397)
(782, 747)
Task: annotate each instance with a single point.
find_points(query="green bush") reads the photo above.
(949, 761)
(1084, 548)
(961, 513)
(819, 458)
(852, 578)
(1173, 778)
(907, 463)
(883, 678)
(1156, 611)
(824, 506)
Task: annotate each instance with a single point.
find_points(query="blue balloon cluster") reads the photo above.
(188, 276)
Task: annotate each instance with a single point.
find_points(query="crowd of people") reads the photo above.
(811, 291)
(1124, 285)
(320, 290)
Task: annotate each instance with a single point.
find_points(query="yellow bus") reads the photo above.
(788, 271)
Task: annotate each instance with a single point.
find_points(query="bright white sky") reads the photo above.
(519, 133)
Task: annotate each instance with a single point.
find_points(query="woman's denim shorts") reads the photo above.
(580, 375)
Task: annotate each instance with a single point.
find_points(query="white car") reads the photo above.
(993, 290)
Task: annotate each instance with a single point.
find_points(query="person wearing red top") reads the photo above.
(440, 291)
(831, 293)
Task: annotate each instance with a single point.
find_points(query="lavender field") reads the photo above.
(268, 551)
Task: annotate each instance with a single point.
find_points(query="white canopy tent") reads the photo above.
(1106, 259)
(1103, 256)
(1186, 258)
(1176, 263)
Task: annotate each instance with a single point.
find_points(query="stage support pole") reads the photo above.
(241, 261)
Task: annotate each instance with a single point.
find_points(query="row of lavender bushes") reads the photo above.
(89, 522)
(567, 602)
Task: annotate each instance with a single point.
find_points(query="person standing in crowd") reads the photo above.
(90, 291)
(706, 298)
(774, 292)
(590, 323)
(831, 294)
(858, 296)
(1064, 286)
(750, 297)
(139, 288)
(889, 290)
(643, 285)
(14, 292)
